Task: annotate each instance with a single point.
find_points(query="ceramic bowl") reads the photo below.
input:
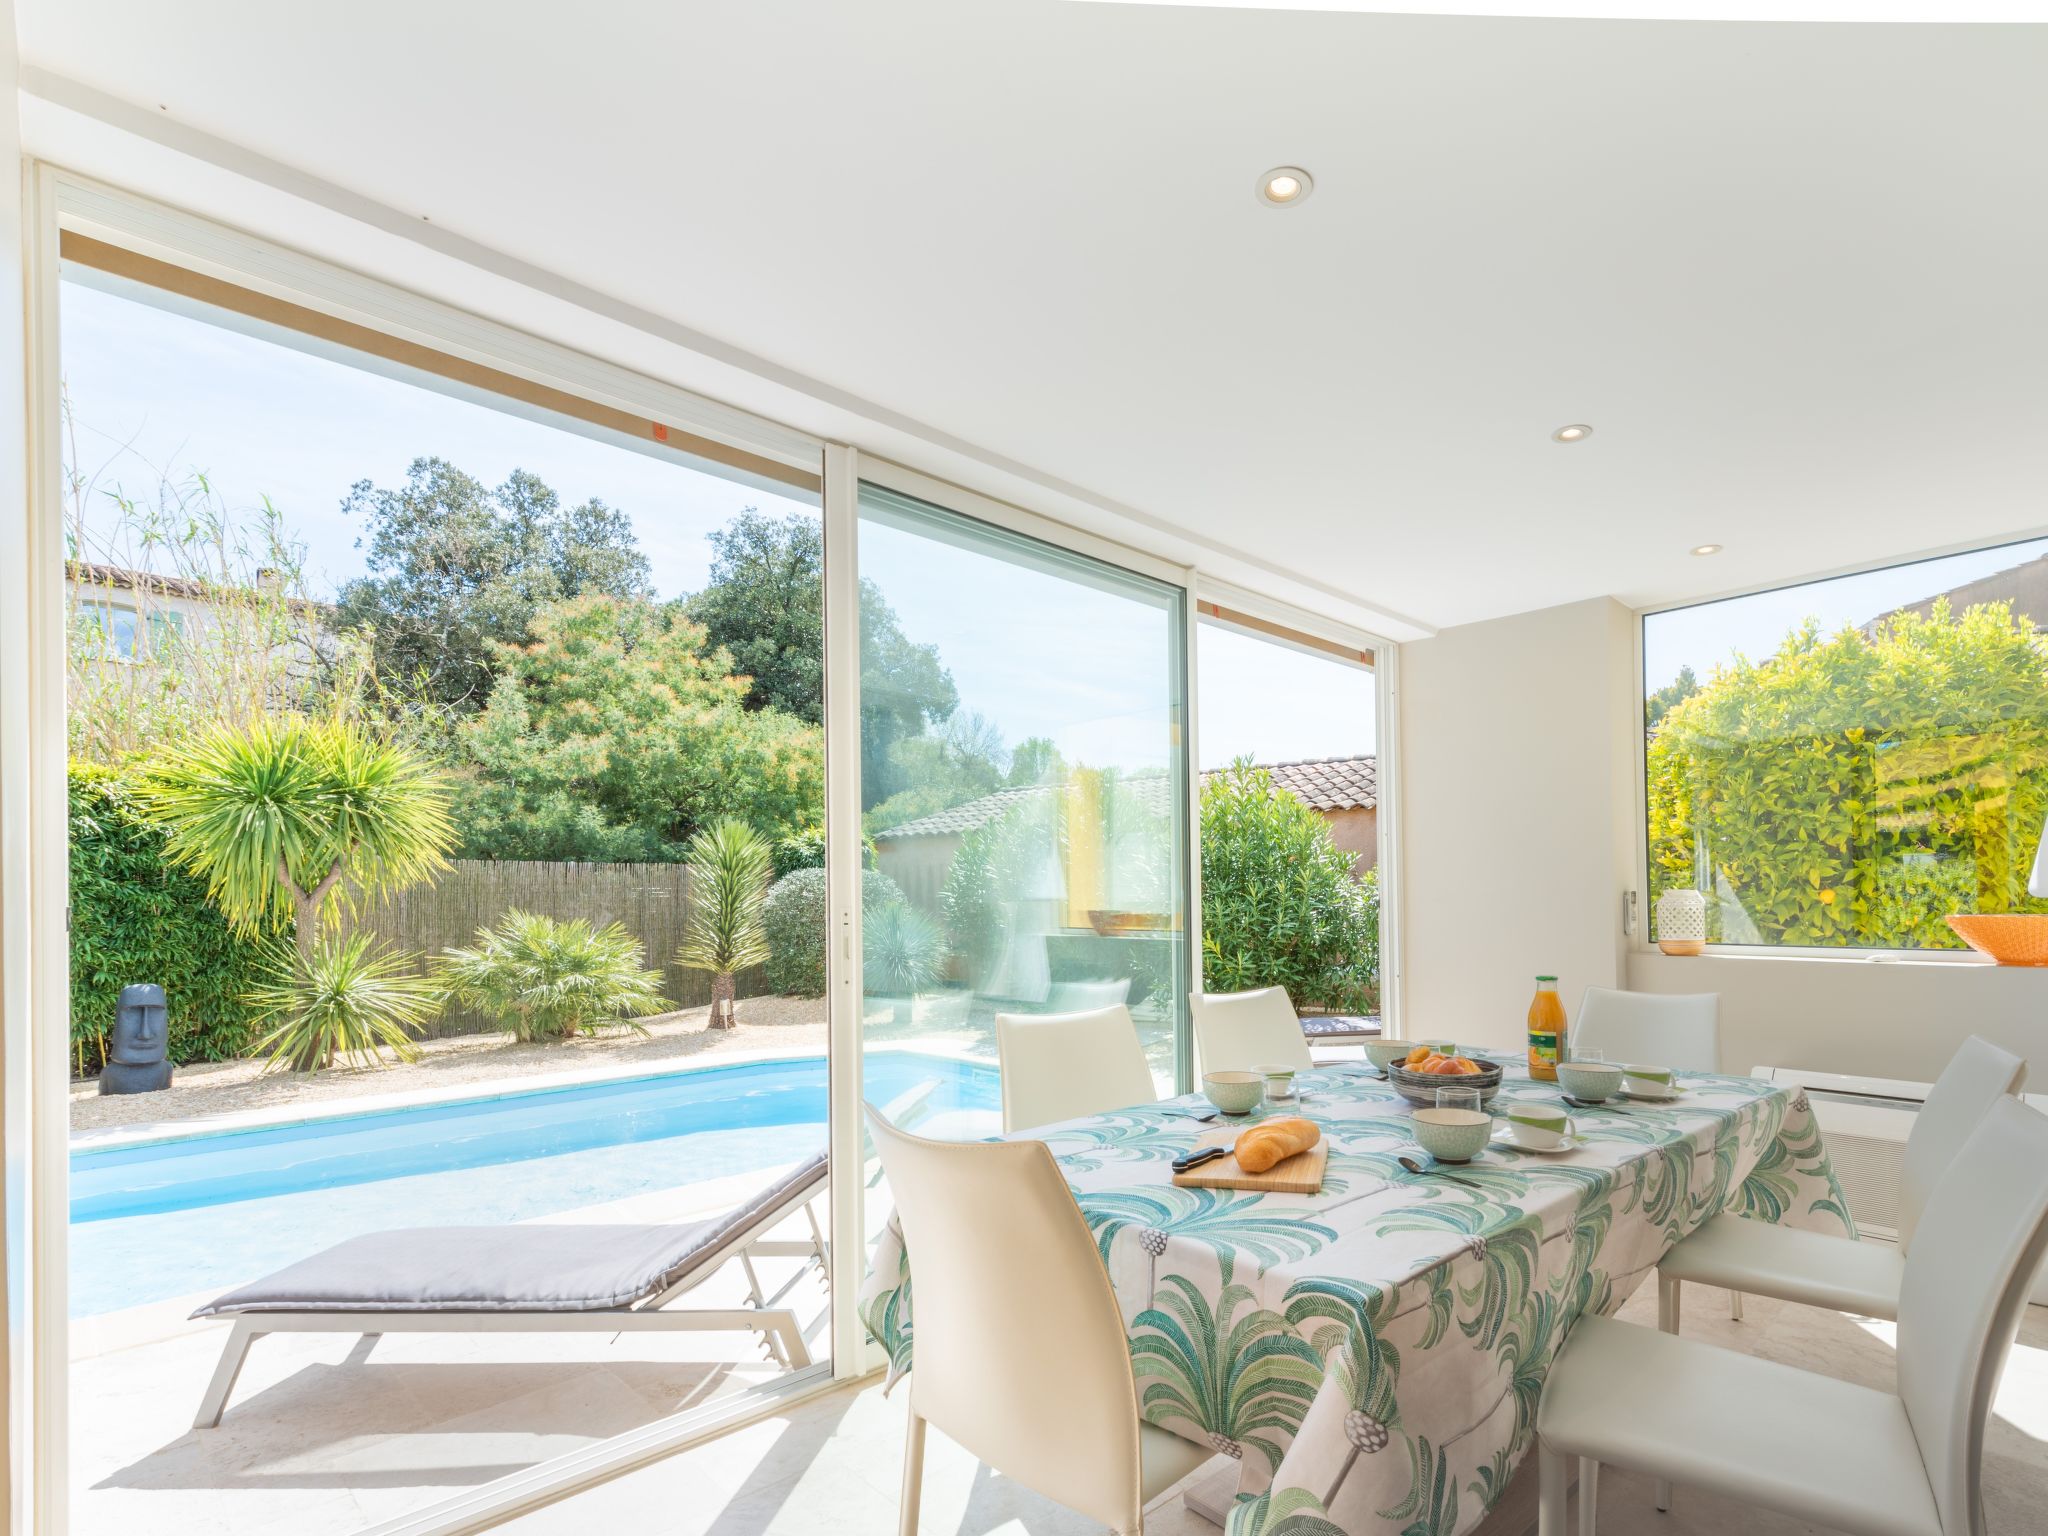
(1453, 1135)
(1591, 1080)
(1419, 1088)
(1384, 1053)
(1235, 1093)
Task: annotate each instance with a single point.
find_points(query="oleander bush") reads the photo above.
(1279, 905)
(1852, 789)
(137, 918)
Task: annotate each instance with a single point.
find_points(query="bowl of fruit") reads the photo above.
(1428, 1069)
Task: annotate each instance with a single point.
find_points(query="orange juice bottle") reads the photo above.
(1546, 1030)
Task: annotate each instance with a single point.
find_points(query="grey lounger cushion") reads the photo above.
(513, 1268)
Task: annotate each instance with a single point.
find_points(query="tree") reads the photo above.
(1854, 788)
(284, 819)
(456, 569)
(765, 605)
(729, 869)
(618, 731)
(1669, 697)
(1279, 906)
(959, 761)
(277, 814)
(1037, 760)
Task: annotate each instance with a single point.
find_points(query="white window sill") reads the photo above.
(1967, 959)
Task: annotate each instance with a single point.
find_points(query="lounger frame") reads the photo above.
(777, 1325)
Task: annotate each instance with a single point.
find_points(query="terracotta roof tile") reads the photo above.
(1324, 783)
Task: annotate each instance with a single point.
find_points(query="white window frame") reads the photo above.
(1637, 919)
(34, 941)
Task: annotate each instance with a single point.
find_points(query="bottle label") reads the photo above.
(1543, 1044)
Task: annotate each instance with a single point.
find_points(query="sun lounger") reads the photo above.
(526, 1278)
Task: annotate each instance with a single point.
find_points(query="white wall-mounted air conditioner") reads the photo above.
(1865, 1121)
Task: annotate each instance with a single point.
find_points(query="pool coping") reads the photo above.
(277, 1117)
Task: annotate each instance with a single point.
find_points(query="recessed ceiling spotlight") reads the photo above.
(1577, 431)
(1285, 185)
(1706, 549)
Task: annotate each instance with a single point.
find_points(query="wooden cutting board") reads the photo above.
(1301, 1174)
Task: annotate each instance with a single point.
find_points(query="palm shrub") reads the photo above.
(903, 953)
(1279, 905)
(729, 868)
(796, 920)
(548, 980)
(341, 1000)
(285, 817)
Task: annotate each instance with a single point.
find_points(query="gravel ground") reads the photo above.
(794, 1024)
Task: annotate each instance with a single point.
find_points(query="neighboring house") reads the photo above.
(1345, 790)
(140, 633)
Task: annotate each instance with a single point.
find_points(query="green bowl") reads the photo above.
(1589, 1080)
(1453, 1135)
(1383, 1053)
(1234, 1093)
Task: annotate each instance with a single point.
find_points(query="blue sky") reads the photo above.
(1713, 634)
(154, 391)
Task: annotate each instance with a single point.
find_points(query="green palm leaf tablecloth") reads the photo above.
(1372, 1355)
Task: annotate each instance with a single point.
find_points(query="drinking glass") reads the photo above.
(1457, 1098)
(1589, 1053)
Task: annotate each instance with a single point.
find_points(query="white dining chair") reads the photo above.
(1243, 1031)
(1019, 1349)
(1681, 1030)
(1812, 1447)
(1815, 1270)
(1060, 1066)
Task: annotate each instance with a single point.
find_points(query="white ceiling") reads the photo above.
(1794, 275)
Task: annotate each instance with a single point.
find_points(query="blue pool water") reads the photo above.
(213, 1211)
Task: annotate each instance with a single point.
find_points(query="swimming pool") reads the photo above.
(167, 1218)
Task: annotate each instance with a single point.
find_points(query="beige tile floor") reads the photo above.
(831, 1465)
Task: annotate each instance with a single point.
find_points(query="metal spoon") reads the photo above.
(1588, 1103)
(1414, 1167)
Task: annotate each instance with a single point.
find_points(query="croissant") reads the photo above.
(1272, 1141)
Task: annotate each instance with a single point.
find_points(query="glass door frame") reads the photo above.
(846, 470)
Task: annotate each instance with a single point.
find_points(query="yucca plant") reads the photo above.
(729, 868)
(341, 1001)
(902, 951)
(546, 980)
(276, 814)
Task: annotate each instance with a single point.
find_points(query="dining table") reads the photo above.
(1372, 1355)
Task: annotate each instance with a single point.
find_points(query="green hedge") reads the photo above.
(136, 919)
(797, 920)
(1855, 788)
(1279, 904)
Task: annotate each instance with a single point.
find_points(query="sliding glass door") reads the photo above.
(1024, 795)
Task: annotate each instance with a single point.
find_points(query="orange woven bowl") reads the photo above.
(2010, 938)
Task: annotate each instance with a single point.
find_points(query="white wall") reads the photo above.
(1519, 806)
(1883, 1019)
(1516, 803)
(13, 987)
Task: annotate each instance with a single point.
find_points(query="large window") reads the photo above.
(570, 672)
(1844, 764)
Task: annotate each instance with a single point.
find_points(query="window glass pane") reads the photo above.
(1023, 784)
(1290, 794)
(580, 655)
(1849, 762)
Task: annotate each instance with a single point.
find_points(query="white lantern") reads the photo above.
(1682, 922)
